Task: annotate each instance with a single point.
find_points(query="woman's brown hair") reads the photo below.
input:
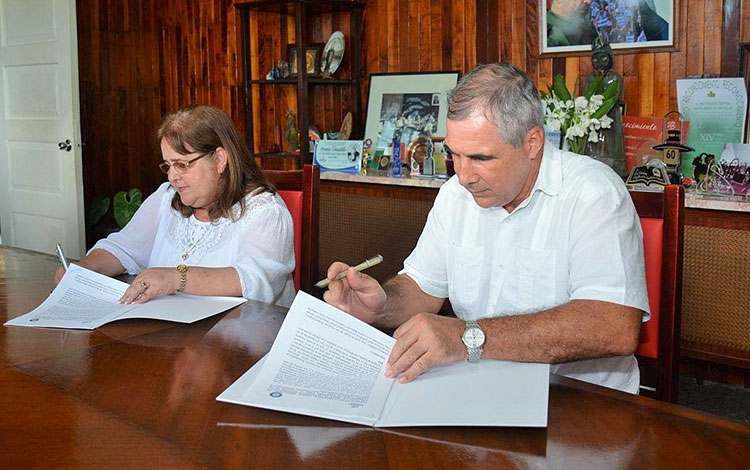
(203, 129)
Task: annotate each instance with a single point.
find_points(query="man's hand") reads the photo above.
(151, 283)
(423, 341)
(357, 294)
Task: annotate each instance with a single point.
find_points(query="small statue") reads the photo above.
(292, 133)
(612, 141)
(283, 69)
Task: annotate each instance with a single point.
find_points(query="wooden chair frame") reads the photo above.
(668, 206)
(306, 180)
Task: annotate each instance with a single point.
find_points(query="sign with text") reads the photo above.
(716, 109)
(641, 134)
(338, 155)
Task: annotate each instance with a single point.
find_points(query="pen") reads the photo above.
(360, 267)
(61, 255)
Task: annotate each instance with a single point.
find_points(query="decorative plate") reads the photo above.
(332, 54)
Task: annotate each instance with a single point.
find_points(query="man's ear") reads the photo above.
(220, 159)
(534, 142)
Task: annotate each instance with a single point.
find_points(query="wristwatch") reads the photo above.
(474, 339)
(182, 269)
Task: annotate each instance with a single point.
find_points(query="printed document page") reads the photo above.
(326, 363)
(323, 363)
(87, 300)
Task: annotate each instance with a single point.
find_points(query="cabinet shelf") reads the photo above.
(310, 81)
(346, 93)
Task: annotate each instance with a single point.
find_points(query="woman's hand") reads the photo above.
(151, 283)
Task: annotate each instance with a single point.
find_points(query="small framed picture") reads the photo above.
(312, 59)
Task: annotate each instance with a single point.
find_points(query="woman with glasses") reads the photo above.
(217, 227)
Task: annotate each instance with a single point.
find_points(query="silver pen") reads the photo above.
(61, 255)
(360, 267)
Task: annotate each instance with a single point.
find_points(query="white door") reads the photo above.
(41, 190)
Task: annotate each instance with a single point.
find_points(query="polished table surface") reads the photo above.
(141, 394)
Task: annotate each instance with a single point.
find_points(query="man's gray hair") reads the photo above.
(504, 94)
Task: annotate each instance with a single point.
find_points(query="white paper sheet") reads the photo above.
(87, 300)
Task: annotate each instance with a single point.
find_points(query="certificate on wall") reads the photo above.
(338, 155)
(716, 109)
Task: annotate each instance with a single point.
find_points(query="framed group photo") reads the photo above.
(406, 106)
(569, 26)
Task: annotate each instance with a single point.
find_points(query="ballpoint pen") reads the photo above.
(61, 255)
(360, 267)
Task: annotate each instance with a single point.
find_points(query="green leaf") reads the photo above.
(125, 205)
(560, 89)
(613, 90)
(96, 210)
(606, 106)
(543, 95)
(593, 87)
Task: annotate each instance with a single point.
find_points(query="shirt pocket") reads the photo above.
(464, 278)
(530, 284)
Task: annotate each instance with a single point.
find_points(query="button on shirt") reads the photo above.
(577, 236)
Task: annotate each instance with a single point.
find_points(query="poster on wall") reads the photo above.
(716, 109)
(569, 26)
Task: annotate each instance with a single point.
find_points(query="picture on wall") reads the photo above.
(404, 107)
(569, 26)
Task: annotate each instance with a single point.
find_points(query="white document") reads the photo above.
(328, 364)
(87, 300)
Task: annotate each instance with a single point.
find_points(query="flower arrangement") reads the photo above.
(579, 119)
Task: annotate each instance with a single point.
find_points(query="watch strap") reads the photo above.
(474, 353)
(182, 269)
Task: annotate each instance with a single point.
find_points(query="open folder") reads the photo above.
(87, 300)
(328, 364)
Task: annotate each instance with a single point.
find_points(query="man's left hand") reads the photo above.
(423, 341)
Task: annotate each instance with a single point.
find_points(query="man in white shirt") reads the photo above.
(540, 251)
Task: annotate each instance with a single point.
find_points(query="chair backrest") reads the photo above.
(300, 190)
(662, 220)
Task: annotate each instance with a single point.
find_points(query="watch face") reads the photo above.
(473, 338)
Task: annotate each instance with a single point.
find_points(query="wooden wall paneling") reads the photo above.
(470, 32)
(662, 79)
(457, 32)
(506, 34)
(745, 22)
(437, 20)
(678, 60)
(713, 37)
(413, 30)
(630, 83)
(425, 46)
(730, 35)
(446, 59)
(645, 63)
(695, 35)
(518, 38)
(572, 71)
(531, 50)
(391, 37)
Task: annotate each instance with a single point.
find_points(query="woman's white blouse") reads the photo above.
(259, 245)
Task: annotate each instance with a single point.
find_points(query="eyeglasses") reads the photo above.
(180, 166)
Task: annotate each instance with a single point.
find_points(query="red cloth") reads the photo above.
(652, 243)
(293, 201)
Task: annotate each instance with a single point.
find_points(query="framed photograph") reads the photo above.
(569, 26)
(312, 57)
(406, 106)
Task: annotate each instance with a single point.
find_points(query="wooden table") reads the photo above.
(141, 394)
